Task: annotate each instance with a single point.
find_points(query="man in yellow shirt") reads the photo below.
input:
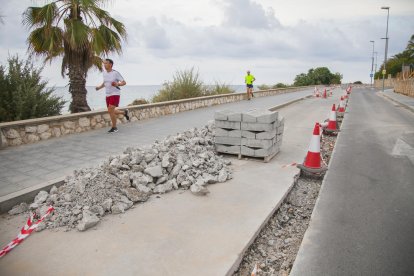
(249, 79)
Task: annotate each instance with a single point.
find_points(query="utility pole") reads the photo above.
(372, 63)
(386, 48)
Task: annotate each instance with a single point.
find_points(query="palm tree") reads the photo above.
(81, 33)
(410, 47)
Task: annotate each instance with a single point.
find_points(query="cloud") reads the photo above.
(248, 14)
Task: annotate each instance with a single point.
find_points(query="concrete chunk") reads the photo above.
(227, 124)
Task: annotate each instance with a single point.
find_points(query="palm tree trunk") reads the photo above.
(77, 87)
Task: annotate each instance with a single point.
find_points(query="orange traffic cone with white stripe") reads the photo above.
(312, 163)
(324, 94)
(254, 271)
(341, 105)
(331, 127)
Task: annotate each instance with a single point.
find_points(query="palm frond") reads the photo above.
(76, 34)
(38, 16)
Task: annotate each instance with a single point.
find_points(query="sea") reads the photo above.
(129, 93)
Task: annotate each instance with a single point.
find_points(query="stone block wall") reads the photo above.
(256, 133)
(34, 130)
(405, 87)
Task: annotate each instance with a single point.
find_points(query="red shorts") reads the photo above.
(112, 100)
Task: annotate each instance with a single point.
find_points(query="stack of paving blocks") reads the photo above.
(255, 133)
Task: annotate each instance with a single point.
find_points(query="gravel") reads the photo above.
(275, 248)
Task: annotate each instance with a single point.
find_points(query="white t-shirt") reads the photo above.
(110, 77)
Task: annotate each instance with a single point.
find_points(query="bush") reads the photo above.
(263, 87)
(186, 84)
(358, 82)
(23, 95)
(267, 87)
(139, 102)
(218, 89)
(280, 85)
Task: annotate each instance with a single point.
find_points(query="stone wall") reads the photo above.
(30, 131)
(405, 87)
(389, 82)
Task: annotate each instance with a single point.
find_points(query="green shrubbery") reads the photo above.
(267, 87)
(139, 101)
(187, 84)
(23, 95)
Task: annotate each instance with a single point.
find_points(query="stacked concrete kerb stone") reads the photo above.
(256, 133)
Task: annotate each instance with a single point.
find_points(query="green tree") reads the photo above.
(317, 76)
(81, 33)
(395, 63)
(23, 95)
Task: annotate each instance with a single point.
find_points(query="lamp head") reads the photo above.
(385, 8)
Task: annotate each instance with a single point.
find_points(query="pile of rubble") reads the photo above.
(185, 161)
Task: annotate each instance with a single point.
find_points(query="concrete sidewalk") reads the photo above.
(178, 233)
(405, 101)
(26, 169)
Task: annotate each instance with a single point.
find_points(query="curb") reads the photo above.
(239, 259)
(409, 108)
(323, 185)
(289, 103)
(27, 195)
(237, 263)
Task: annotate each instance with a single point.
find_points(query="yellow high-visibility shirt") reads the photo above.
(249, 79)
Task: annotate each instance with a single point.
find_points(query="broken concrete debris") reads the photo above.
(185, 161)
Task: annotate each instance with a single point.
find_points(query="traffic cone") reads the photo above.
(324, 94)
(312, 163)
(331, 127)
(254, 271)
(341, 105)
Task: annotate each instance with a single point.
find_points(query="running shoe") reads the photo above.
(113, 130)
(126, 114)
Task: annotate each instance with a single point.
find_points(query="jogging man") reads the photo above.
(112, 80)
(249, 79)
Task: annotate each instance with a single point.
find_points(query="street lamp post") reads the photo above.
(386, 48)
(372, 63)
(376, 60)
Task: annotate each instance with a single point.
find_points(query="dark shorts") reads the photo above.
(249, 85)
(112, 100)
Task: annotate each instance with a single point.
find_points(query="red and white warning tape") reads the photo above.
(289, 165)
(25, 232)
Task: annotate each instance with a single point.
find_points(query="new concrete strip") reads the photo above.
(177, 234)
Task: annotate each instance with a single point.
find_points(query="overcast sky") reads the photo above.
(275, 39)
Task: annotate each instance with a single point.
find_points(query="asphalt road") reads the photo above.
(363, 222)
